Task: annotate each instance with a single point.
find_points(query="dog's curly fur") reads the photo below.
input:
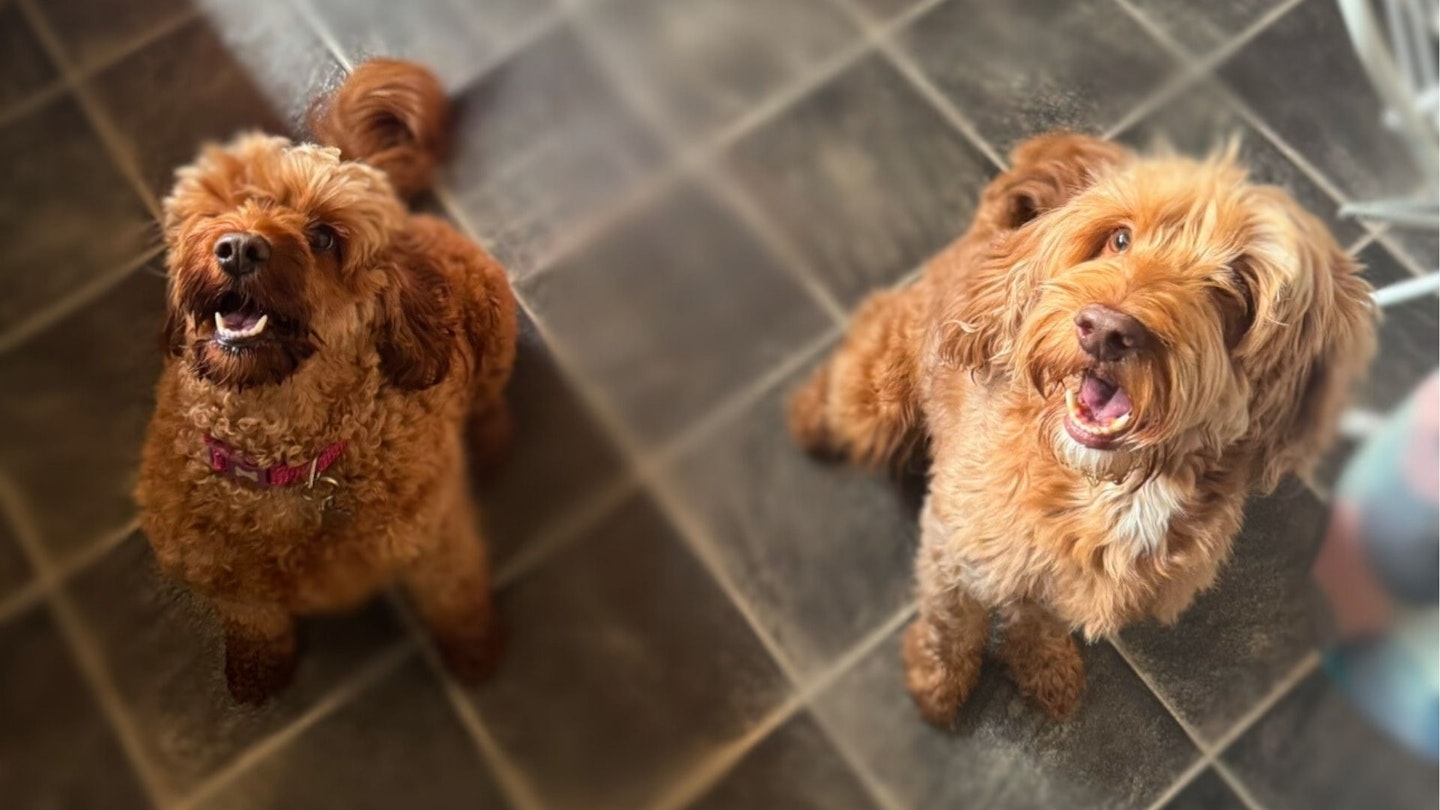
(392, 334)
(1258, 323)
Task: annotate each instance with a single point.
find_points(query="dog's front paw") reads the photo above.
(938, 687)
(256, 671)
(1048, 670)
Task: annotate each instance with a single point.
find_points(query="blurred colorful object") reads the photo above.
(1379, 567)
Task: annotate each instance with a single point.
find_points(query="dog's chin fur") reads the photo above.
(1258, 326)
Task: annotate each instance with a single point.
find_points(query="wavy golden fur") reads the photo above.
(1240, 329)
(387, 331)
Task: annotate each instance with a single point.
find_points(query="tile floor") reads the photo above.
(688, 193)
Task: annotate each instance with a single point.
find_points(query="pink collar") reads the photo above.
(230, 463)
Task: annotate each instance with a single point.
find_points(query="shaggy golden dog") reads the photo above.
(1117, 353)
(326, 352)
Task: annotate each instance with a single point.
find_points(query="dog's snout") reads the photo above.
(241, 254)
(1109, 335)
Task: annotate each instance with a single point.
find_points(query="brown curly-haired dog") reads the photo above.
(326, 352)
(1117, 353)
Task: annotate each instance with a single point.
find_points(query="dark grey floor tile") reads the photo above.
(1303, 79)
(67, 215)
(256, 68)
(1314, 751)
(165, 653)
(704, 62)
(1204, 27)
(455, 39)
(1207, 792)
(795, 768)
(56, 748)
(399, 744)
(1199, 122)
(1252, 628)
(24, 67)
(1409, 345)
(560, 456)
(864, 176)
(1019, 68)
(1121, 748)
(822, 553)
(74, 406)
(625, 667)
(541, 143)
(94, 30)
(673, 311)
(14, 568)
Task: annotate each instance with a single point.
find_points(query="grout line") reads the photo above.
(1401, 255)
(880, 35)
(707, 150)
(567, 530)
(27, 596)
(694, 785)
(1242, 792)
(88, 657)
(1212, 751)
(371, 673)
(110, 138)
(728, 194)
(519, 793)
(91, 290)
(1361, 242)
(1186, 777)
(779, 245)
(58, 87)
(33, 102)
(744, 398)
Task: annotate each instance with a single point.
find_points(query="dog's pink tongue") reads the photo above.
(239, 321)
(1105, 401)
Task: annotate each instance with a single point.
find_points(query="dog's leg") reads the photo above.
(1042, 658)
(491, 432)
(862, 403)
(943, 648)
(450, 587)
(259, 649)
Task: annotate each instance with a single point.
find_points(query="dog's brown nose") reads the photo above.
(241, 254)
(1108, 335)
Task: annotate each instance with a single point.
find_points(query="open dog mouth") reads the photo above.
(238, 322)
(1098, 413)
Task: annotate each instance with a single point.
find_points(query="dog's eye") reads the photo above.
(322, 239)
(1119, 240)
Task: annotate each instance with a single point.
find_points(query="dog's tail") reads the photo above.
(391, 114)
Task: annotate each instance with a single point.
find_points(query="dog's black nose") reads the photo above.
(1108, 335)
(241, 254)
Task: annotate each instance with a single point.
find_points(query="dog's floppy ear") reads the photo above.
(1311, 340)
(417, 327)
(979, 325)
(172, 334)
(1045, 172)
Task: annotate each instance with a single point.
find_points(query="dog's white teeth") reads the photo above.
(240, 334)
(1069, 398)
